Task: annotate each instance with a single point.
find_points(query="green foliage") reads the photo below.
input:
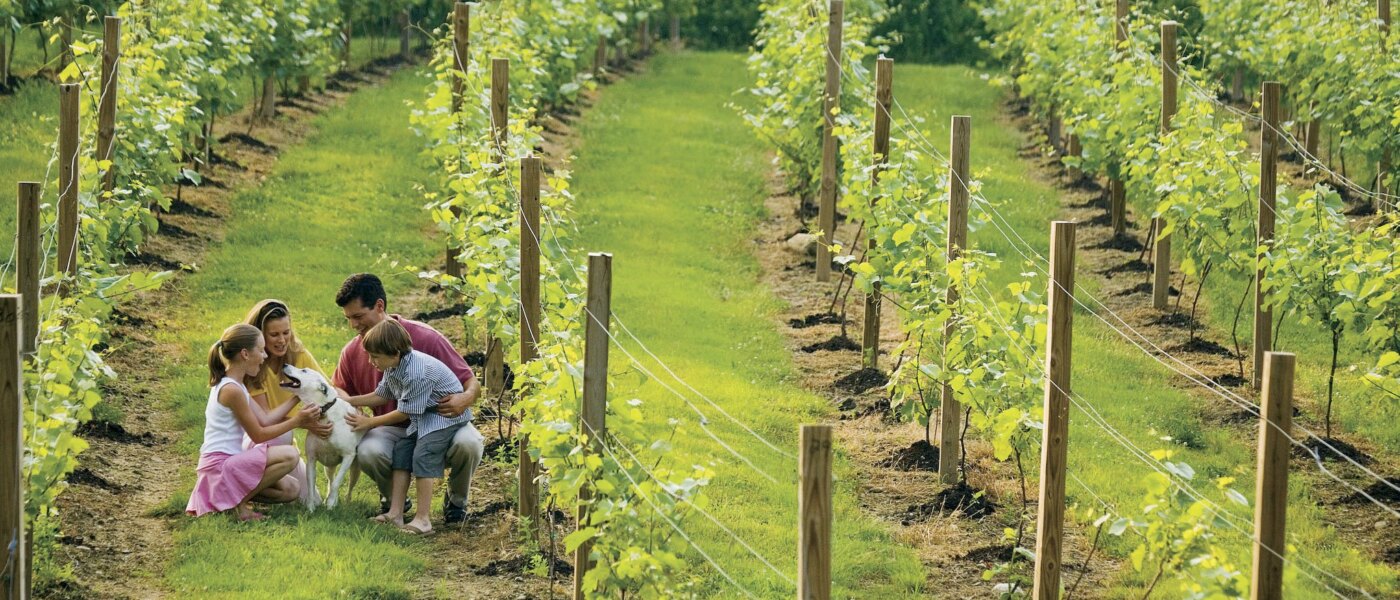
(727, 24)
(1178, 532)
(475, 202)
(1337, 67)
(932, 31)
(788, 69)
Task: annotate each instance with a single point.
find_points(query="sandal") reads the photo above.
(412, 529)
(383, 518)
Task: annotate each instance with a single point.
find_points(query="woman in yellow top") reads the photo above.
(283, 348)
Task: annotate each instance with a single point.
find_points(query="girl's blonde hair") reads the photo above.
(235, 339)
(269, 310)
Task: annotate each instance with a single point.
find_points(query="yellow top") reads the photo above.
(268, 381)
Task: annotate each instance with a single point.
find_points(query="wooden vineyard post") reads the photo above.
(814, 513)
(1162, 248)
(107, 99)
(529, 502)
(1271, 493)
(831, 101)
(595, 386)
(1117, 197)
(461, 45)
(1075, 174)
(675, 31)
(644, 33)
(1268, 192)
(65, 51)
(1056, 131)
(405, 35)
(1051, 512)
(12, 451)
(346, 34)
(1383, 170)
(600, 57)
(884, 95)
(500, 133)
(950, 421)
(461, 48)
(30, 253)
(68, 179)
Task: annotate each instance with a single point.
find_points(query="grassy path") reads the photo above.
(1134, 393)
(334, 206)
(672, 183)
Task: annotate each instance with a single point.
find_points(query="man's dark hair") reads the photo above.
(364, 287)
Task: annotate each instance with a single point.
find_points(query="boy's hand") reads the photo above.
(359, 422)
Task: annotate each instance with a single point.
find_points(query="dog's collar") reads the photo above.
(327, 406)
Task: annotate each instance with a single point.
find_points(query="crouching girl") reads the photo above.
(229, 477)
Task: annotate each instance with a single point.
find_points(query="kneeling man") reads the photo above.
(363, 300)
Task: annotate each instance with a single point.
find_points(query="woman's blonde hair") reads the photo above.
(268, 310)
(235, 339)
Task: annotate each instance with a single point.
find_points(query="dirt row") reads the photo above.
(117, 513)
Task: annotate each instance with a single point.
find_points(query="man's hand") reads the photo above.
(319, 430)
(455, 404)
(359, 422)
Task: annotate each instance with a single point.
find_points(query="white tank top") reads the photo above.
(222, 433)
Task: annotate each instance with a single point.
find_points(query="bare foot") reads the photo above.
(389, 517)
(246, 513)
(418, 527)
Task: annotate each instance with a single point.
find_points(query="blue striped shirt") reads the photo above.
(417, 383)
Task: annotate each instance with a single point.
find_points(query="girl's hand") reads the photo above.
(308, 415)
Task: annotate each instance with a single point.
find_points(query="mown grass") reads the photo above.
(334, 206)
(672, 184)
(1133, 393)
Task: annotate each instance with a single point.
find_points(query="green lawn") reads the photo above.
(320, 217)
(1134, 393)
(671, 182)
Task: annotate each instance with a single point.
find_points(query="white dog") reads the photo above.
(337, 450)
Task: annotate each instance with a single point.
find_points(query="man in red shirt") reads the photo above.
(363, 300)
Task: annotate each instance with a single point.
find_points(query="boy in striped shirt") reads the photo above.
(415, 381)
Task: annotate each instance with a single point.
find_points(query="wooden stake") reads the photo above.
(1056, 131)
(1268, 192)
(1162, 248)
(1120, 24)
(530, 307)
(1117, 198)
(31, 254)
(600, 57)
(1117, 206)
(675, 31)
(12, 449)
(950, 421)
(595, 387)
(1051, 512)
(884, 95)
(68, 179)
(405, 35)
(107, 100)
(831, 102)
(461, 45)
(500, 133)
(814, 513)
(1075, 174)
(268, 108)
(1271, 493)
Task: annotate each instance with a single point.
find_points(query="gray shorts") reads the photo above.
(425, 457)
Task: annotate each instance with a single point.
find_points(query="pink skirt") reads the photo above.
(298, 473)
(224, 481)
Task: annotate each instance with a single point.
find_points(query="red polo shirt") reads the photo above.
(357, 376)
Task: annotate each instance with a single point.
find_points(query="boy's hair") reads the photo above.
(388, 338)
(364, 287)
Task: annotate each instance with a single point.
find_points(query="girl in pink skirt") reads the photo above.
(228, 475)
